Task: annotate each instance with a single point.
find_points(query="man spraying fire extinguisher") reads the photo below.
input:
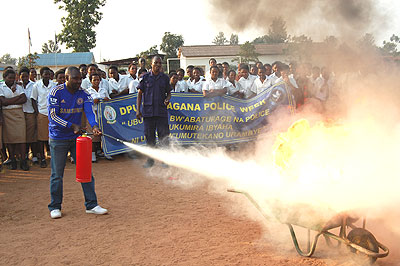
(66, 102)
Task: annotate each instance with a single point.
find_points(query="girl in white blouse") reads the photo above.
(12, 97)
(97, 93)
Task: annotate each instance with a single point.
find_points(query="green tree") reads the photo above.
(148, 54)
(220, 39)
(299, 48)
(28, 61)
(390, 47)
(8, 60)
(247, 53)
(301, 39)
(276, 34)
(277, 31)
(170, 44)
(262, 39)
(367, 43)
(331, 41)
(234, 40)
(50, 47)
(83, 16)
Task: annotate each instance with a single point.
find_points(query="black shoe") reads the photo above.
(24, 165)
(43, 163)
(13, 164)
(149, 163)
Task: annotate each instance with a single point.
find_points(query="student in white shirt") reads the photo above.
(60, 76)
(134, 83)
(316, 73)
(285, 76)
(232, 79)
(196, 85)
(118, 84)
(268, 69)
(217, 86)
(246, 81)
(253, 70)
(189, 72)
(212, 62)
(32, 74)
(30, 115)
(12, 97)
(173, 80)
(323, 85)
(181, 85)
(91, 69)
(132, 69)
(39, 101)
(289, 81)
(98, 94)
(261, 83)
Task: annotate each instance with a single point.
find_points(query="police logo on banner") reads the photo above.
(110, 114)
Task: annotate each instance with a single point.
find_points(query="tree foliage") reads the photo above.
(50, 47)
(28, 61)
(8, 60)
(220, 39)
(83, 16)
(247, 53)
(148, 54)
(234, 40)
(300, 48)
(367, 43)
(276, 33)
(390, 47)
(331, 41)
(301, 39)
(170, 44)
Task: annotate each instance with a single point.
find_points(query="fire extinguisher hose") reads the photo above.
(114, 138)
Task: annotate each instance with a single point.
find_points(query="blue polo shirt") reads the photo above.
(155, 89)
(66, 109)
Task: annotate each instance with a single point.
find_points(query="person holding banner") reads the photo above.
(217, 86)
(66, 103)
(154, 90)
(196, 85)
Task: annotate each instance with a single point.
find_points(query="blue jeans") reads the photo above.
(59, 150)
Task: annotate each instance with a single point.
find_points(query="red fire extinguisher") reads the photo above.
(83, 159)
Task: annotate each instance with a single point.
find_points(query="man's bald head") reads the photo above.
(71, 71)
(156, 64)
(73, 78)
(156, 57)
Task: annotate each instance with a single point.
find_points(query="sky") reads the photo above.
(129, 27)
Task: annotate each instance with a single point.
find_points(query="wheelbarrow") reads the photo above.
(359, 240)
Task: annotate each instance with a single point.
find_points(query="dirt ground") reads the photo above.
(152, 221)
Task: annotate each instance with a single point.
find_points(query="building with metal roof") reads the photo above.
(198, 55)
(56, 61)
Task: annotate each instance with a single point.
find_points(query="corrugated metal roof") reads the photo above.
(229, 50)
(65, 59)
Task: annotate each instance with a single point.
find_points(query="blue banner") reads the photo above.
(194, 119)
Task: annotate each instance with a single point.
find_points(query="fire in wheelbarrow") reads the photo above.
(359, 240)
(315, 214)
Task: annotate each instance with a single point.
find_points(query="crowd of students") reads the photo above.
(248, 81)
(23, 99)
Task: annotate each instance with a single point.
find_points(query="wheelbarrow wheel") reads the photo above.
(365, 239)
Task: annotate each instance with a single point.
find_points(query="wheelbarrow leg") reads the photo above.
(310, 246)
